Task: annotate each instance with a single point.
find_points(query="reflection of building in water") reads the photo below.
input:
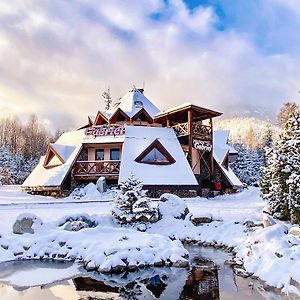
(89, 288)
(201, 284)
(156, 286)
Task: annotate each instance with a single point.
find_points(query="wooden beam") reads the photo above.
(190, 132)
(212, 152)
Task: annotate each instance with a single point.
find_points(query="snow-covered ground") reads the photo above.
(270, 253)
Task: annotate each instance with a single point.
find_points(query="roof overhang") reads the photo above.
(198, 110)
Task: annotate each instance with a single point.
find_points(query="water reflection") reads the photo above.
(208, 278)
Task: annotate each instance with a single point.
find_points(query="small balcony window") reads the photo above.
(99, 154)
(115, 154)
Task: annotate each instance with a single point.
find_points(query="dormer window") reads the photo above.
(155, 154)
(138, 104)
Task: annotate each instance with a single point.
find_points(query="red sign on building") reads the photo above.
(105, 130)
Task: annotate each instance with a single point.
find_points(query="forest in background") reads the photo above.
(21, 146)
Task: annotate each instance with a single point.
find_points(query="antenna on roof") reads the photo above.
(107, 97)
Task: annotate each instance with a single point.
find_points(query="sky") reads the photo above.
(58, 56)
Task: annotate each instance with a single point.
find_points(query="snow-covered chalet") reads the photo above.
(171, 150)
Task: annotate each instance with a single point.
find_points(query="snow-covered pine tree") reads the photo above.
(131, 203)
(249, 163)
(292, 136)
(283, 171)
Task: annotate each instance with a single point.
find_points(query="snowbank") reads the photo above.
(105, 247)
(271, 253)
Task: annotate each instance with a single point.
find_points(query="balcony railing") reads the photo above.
(97, 168)
(199, 130)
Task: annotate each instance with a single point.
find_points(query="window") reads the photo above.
(115, 154)
(155, 154)
(138, 104)
(99, 154)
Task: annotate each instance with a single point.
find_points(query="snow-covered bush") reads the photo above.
(172, 206)
(131, 203)
(281, 180)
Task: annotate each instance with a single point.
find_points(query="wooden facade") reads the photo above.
(192, 125)
(97, 156)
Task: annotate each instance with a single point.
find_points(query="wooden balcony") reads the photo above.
(199, 131)
(94, 169)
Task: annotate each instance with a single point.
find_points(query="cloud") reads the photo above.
(56, 57)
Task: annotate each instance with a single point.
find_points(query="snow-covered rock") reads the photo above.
(77, 222)
(106, 248)
(26, 223)
(172, 206)
(295, 230)
(268, 221)
(75, 225)
(101, 185)
(91, 190)
(198, 218)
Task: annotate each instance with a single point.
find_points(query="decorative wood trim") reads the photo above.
(49, 155)
(210, 113)
(118, 111)
(97, 168)
(100, 115)
(142, 111)
(156, 144)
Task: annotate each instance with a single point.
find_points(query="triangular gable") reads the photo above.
(143, 116)
(100, 119)
(155, 154)
(57, 155)
(119, 115)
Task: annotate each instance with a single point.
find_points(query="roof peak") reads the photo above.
(132, 102)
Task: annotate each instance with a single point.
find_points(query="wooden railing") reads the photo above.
(97, 168)
(202, 131)
(181, 129)
(199, 130)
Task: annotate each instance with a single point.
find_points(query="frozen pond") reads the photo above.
(208, 278)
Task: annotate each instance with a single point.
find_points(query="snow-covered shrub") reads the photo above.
(281, 180)
(173, 206)
(131, 203)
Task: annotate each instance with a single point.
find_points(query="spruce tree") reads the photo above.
(131, 203)
(280, 183)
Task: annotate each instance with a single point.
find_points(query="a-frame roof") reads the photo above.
(132, 102)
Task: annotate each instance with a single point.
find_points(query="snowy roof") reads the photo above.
(185, 105)
(221, 149)
(232, 178)
(64, 151)
(68, 145)
(137, 139)
(131, 103)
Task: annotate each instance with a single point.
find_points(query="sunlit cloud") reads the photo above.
(56, 58)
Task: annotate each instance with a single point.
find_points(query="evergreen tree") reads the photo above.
(249, 164)
(131, 203)
(283, 172)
